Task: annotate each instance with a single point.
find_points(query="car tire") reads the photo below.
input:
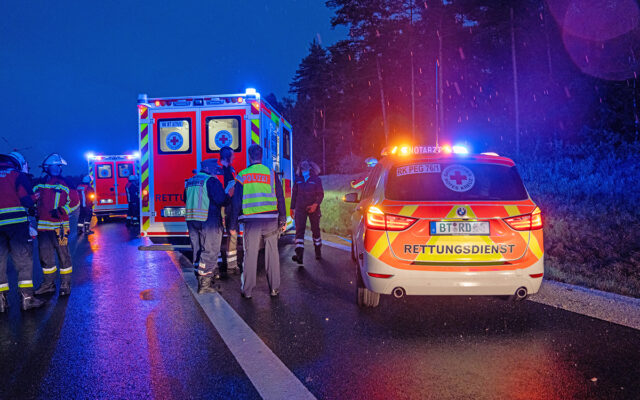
(365, 297)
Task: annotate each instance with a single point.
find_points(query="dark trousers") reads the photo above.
(14, 241)
(231, 251)
(133, 211)
(301, 225)
(48, 247)
(84, 218)
(205, 241)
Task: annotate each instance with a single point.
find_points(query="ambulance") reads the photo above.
(110, 175)
(177, 133)
(441, 221)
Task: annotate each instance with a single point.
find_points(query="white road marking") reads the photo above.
(330, 244)
(271, 378)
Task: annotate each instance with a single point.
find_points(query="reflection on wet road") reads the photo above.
(132, 329)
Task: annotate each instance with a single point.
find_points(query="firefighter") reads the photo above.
(17, 209)
(133, 198)
(229, 252)
(205, 196)
(87, 196)
(260, 201)
(55, 203)
(306, 196)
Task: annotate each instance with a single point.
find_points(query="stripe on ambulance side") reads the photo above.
(144, 157)
(255, 131)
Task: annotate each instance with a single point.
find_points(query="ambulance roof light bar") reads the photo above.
(421, 149)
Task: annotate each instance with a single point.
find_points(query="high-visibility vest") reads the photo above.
(258, 190)
(11, 210)
(197, 208)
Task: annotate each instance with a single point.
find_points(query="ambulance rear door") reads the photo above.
(124, 170)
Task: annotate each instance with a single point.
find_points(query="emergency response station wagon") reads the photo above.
(434, 221)
(110, 175)
(177, 133)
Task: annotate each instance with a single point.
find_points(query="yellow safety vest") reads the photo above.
(258, 190)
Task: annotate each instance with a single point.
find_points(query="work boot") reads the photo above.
(274, 292)
(48, 285)
(30, 301)
(318, 252)
(205, 284)
(87, 229)
(3, 303)
(299, 254)
(65, 287)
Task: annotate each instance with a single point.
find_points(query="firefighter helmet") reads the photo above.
(86, 179)
(53, 159)
(21, 162)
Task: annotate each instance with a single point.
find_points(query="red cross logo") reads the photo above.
(458, 177)
(174, 140)
(224, 139)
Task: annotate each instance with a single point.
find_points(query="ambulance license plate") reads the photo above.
(462, 228)
(174, 212)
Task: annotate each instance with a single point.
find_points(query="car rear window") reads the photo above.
(453, 181)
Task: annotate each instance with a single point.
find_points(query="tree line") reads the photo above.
(496, 75)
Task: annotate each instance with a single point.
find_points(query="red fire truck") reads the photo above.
(110, 175)
(177, 133)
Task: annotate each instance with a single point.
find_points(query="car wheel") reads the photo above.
(365, 297)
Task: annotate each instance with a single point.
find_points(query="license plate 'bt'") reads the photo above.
(459, 228)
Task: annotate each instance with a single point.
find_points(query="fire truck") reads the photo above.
(110, 174)
(177, 133)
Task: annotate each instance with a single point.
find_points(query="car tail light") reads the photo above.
(145, 198)
(383, 276)
(526, 222)
(376, 219)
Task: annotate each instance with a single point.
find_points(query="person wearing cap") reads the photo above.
(204, 197)
(258, 201)
(87, 197)
(306, 195)
(133, 199)
(56, 201)
(16, 208)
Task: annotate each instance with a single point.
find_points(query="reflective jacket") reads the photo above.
(204, 197)
(16, 196)
(133, 192)
(258, 195)
(86, 195)
(55, 203)
(305, 193)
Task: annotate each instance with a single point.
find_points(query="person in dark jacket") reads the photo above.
(133, 200)
(204, 197)
(306, 196)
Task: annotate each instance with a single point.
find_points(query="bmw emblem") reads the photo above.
(462, 211)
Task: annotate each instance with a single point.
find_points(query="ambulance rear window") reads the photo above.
(454, 181)
(105, 171)
(286, 144)
(124, 170)
(221, 132)
(174, 136)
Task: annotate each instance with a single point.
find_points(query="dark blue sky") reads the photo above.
(70, 71)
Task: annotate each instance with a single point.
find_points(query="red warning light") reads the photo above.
(157, 103)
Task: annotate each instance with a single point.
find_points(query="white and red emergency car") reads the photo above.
(110, 174)
(177, 133)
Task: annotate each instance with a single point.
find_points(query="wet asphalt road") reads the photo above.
(131, 329)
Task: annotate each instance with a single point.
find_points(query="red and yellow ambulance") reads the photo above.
(177, 133)
(440, 221)
(110, 174)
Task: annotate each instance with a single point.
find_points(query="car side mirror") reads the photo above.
(351, 198)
